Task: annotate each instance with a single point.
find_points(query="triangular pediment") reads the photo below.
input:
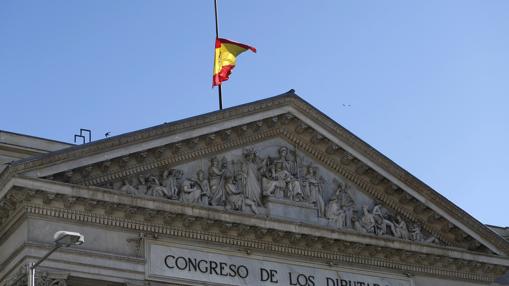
(279, 158)
(270, 179)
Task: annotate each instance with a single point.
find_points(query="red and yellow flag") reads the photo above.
(225, 58)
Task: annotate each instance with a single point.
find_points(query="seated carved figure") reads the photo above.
(154, 188)
(195, 190)
(381, 223)
(190, 192)
(234, 196)
(280, 183)
(416, 234)
(128, 188)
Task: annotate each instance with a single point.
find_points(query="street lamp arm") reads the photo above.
(46, 256)
(62, 239)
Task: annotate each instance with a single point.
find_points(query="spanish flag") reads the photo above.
(225, 58)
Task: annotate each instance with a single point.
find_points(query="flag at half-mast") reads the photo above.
(225, 58)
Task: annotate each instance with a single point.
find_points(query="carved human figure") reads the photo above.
(142, 184)
(401, 228)
(314, 189)
(216, 182)
(381, 223)
(357, 225)
(334, 213)
(287, 164)
(234, 196)
(154, 188)
(170, 183)
(253, 206)
(190, 192)
(128, 188)
(367, 220)
(346, 203)
(273, 186)
(280, 181)
(293, 189)
(416, 234)
(251, 177)
(203, 184)
(195, 190)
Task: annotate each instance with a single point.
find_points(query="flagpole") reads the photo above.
(217, 36)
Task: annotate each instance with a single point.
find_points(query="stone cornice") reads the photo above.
(288, 99)
(325, 251)
(155, 132)
(296, 133)
(160, 219)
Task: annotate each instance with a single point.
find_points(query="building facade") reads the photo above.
(268, 193)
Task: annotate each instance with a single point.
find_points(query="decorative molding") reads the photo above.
(246, 135)
(252, 238)
(272, 241)
(297, 186)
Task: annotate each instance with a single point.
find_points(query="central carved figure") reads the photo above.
(281, 178)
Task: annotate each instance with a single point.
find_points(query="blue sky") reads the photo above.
(427, 81)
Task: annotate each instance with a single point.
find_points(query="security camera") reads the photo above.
(68, 238)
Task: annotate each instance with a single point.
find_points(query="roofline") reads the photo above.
(286, 99)
(74, 147)
(496, 226)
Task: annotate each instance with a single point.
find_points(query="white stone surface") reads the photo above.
(175, 264)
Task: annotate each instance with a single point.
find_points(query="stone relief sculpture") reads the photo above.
(154, 188)
(171, 181)
(251, 176)
(201, 184)
(335, 213)
(382, 223)
(216, 181)
(416, 233)
(128, 188)
(313, 189)
(234, 196)
(191, 192)
(346, 203)
(367, 222)
(247, 182)
(142, 185)
(401, 228)
(281, 178)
